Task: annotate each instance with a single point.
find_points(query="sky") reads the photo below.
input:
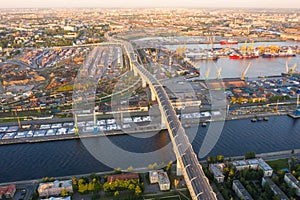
(149, 3)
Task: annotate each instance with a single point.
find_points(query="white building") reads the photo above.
(292, 182)
(254, 164)
(54, 188)
(217, 170)
(160, 177)
(240, 191)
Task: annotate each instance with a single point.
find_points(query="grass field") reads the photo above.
(278, 164)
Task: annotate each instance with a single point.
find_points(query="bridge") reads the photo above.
(187, 162)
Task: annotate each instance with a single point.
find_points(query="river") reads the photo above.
(31, 161)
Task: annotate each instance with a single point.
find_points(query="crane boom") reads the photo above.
(292, 69)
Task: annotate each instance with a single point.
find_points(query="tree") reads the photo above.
(169, 166)
(91, 186)
(250, 155)
(220, 158)
(130, 169)
(233, 100)
(138, 190)
(64, 193)
(116, 193)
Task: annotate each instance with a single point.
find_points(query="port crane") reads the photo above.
(244, 47)
(291, 69)
(245, 72)
(250, 47)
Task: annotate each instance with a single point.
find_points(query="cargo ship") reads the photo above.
(287, 53)
(235, 56)
(223, 42)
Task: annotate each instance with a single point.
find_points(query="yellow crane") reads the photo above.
(245, 71)
(219, 73)
(250, 47)
(244, 47)
(292, 69)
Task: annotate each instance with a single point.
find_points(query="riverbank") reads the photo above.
(76, 137)
(266, 156)
(154, 128)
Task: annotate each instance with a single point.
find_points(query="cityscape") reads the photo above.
(154, 100)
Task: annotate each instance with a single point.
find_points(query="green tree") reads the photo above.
(116, 193)
(220, 158)
(138, 190)
(64, 193)
(91, 186)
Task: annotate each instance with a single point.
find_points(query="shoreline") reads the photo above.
(187, 124)
(267, 156)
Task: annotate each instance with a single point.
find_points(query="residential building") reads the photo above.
(240, 190)
(217, 170)
(275, 189)
(160, 177)
(8, 191)
(54, 188)
(292, 182)
(254, 164)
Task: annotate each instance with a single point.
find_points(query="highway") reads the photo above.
(194, 176)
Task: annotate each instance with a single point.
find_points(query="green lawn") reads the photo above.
(278, 164)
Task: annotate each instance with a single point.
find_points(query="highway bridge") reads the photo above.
(187, 161)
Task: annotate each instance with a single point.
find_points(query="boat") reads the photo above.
(224, 42)
(269, 55)
(286, 53)
(266, 118)
(235, 56)
(253, 120)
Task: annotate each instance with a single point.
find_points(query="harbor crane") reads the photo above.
(290, 70)
(245, 72)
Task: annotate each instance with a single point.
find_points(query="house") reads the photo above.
(275, 189)
(292, 182)
(160, 177)
(240, 191)
(8, 191)
(217, 170)
(54, 188)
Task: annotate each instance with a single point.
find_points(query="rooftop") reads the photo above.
(276, 189)
(293, 179)
(241, 188)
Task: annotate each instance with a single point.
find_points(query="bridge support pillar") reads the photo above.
(153, 95)
(135, 72)
(130, 66)
(144, 83)
(178, 169)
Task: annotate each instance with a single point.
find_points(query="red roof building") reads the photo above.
(123, 177)
(8, 191)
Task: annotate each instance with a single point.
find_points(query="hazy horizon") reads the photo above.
(151, 4)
